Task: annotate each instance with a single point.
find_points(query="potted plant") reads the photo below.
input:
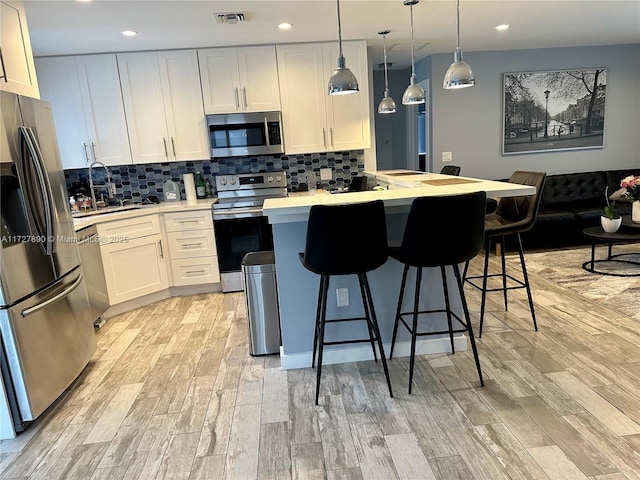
(610, 220)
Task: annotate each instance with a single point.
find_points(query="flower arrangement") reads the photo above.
(632, 185)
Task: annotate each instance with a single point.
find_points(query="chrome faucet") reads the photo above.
(111, 191)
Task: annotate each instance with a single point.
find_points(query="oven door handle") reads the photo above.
(237, 213)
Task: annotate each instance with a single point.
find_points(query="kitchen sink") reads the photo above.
(102, 211)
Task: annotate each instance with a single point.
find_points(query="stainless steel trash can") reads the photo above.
(259, 278)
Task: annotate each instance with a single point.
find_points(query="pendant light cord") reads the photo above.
(458, 25)
(386, 79)
(339, 28)
(413, 72)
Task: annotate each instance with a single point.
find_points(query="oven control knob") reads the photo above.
(278, 179)
(269, 179)
(232, 181)
(223, 181)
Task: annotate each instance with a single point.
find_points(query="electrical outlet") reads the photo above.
(447, 156)
(326, 174)
(342, 295)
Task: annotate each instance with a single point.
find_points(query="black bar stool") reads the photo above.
(346, 240)
(512, 216)
(434, 239)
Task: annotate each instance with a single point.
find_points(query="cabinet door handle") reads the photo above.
(166, 153)
(244, 96)
(173, 148)
(324, 137)
(331, 135)
(93, 150)
(4, 72)
(86, 153)
(237, 99)
(161, 251)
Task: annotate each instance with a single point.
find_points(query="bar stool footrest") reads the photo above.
(520, 283)
(453, 314)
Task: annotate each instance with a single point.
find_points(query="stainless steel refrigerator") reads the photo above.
(46, 331)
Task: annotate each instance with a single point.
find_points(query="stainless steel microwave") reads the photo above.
(240, 134)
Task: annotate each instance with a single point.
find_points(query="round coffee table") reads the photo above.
(628, 233)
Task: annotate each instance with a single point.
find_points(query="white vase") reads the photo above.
(635, 211)
(610, 225)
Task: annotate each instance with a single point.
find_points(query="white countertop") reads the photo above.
(405, 186)
(139, 210)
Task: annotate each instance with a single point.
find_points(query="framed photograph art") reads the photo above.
(554, 110)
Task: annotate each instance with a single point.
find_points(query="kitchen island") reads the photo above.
(298, 288)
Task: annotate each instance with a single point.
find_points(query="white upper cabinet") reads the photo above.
(163, 105)
(17, 71)
(85, 97)
(313, 121)
(239, 79)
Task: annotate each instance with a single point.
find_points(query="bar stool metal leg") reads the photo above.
(373, 320)
(315, 332)
(414, 327)
(504, 271)
(467, 317)
(367, 316)
(445, 288)
(399, 309)
(484, 283)
(323, 316)
(526, 283)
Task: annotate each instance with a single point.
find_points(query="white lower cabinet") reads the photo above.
(133, 258)
(192, 248)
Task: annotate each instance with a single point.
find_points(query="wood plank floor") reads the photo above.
(173, 393)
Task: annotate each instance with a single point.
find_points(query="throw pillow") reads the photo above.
(619, 196)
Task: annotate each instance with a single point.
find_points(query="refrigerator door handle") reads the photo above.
(45, 190)
(28, 311)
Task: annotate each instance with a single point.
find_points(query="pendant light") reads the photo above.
(414, 94)
(459, 74)
(342, 81)
(387, 105)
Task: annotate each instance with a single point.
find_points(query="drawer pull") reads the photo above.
(182, 222)
(191, 245)
(190, 272)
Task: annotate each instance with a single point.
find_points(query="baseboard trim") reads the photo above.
(363, 352)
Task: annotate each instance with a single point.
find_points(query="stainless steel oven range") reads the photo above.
(238, 222)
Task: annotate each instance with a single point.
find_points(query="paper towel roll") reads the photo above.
(190, 188)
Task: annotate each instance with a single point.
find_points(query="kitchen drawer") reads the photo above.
(190, 220)
(120, 231)
(192, 243)
(195, 271)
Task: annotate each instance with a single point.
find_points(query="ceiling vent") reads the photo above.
(229, 18)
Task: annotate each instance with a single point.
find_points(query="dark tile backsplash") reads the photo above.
(140, 181)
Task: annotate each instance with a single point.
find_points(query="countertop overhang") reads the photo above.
(404, 187)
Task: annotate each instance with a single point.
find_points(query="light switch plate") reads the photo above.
(326, 174)
(447, 156)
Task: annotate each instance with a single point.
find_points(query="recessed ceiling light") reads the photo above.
(503, 27)
(285, 26)
(129, 33)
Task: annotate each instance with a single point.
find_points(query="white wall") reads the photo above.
(468, 122)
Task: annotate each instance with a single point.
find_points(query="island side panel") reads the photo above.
(298, 291)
